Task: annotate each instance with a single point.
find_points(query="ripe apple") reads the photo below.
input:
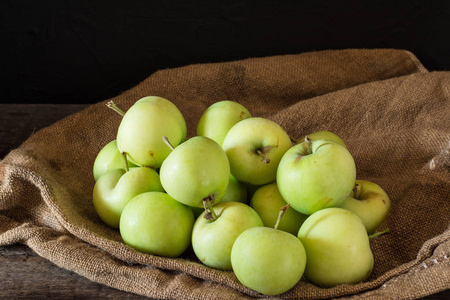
(116, 188)
(109, 158)
(325, 135)
(195, 171)
(370, 203)
(267, 200)
(268, 260)
(212, 240)
(337, 247)
(316, 174)
(155, 223)
(236, 191)
(254, 147)
(218, 119)
(143, 126)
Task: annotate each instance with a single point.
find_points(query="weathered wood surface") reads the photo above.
(24, 274)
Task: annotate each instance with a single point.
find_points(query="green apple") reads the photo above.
(212, 240)
(113, 190)
(218, 119)
(267, 200)
(337, 247)
(109, 158)
(195, 171)
(370, 203)
(155, 223)
(143, 126)
(236, 191)
(316, 174)
(325, 135)
(254, 147)
(268, 260)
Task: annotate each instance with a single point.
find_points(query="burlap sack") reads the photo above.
(392, 113)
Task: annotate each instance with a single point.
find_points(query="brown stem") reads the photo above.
(264, 158)
(293, 140)
(355, 191)
(210, 214)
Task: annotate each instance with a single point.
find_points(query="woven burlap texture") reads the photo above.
(392, 113)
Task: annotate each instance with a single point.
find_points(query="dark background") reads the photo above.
(85, 51)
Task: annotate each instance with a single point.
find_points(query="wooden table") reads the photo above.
(24, 274)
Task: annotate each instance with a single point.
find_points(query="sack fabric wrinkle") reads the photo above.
(392, 113)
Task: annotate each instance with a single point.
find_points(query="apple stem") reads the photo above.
(124, 154)
(355, 191)
(210, 214)
(293, 140)
(374, 235)
(114, 107)
(166, 140)
(280, 215)
(308, 142)
(264, 158)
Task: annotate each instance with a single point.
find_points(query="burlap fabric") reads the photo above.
(392, 113)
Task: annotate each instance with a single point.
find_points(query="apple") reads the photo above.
(109, 158)
(196, 171)
(370, 203)
(218, 119)
(325, 135)
(212, 240)
(113, 190)
(267, 200)
(141, 130)
(254, 147)
(337, 247)
(155, 223)
(236, 191)
(268, 260)
(316, 174)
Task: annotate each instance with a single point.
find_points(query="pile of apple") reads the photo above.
(242, 193)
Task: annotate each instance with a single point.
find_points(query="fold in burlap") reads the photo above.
(391, 112)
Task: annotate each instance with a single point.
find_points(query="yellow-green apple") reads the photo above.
(316, 174)
(236, 191)
(254, 147)
(143, 126)
(267, 201)
(114, 189)
(268, 260)
(196, 171)
(109, 158)
(218, 119)
(212, 240)
(337, 247)
(155, 223)
(370, 203)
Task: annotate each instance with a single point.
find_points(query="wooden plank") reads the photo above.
(19, 121)
(24, 274)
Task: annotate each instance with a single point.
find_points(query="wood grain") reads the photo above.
(24, 274)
